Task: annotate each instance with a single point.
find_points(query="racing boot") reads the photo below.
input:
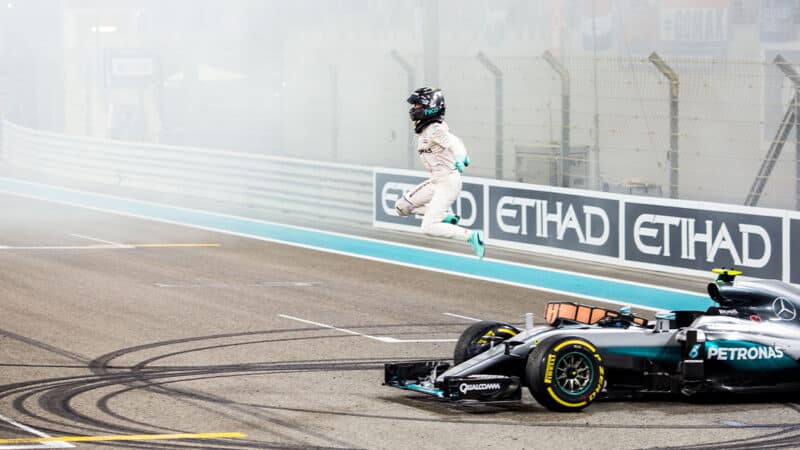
(476, 241)
(452, 219)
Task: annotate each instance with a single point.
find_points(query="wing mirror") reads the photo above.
(511, 344)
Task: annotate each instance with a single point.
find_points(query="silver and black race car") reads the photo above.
(749, 343)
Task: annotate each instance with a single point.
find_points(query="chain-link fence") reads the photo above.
(690, 128)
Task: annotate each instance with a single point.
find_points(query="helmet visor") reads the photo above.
(417, 99)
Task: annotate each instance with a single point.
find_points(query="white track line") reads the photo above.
(231, 285)
(462, 317)
(384, 339)
(65, 247)
(116, 244)
(34, 432)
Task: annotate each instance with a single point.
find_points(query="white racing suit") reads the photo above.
(438, 149)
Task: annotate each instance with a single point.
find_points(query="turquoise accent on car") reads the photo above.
(568, 283)
(423, 389)
(654, 353)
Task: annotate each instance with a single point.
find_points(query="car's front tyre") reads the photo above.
(565, 373)
(478, 338)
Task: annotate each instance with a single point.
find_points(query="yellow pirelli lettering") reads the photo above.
(599, 386)
(567, 404)
(574, 341)
(549, 369)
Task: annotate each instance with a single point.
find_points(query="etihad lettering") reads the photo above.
(652, 234)
(512, 217)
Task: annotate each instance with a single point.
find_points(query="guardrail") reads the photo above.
(286, 185)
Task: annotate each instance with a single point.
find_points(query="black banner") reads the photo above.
(390, 186)
(564, 221)
(703, 239)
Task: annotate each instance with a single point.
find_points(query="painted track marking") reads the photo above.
(229, 285)
(385, 339)
(116, 244)
(55, 443)
(176, 245)
(131, 437)
(462, 317)
(104, 245)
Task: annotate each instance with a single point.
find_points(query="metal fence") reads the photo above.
(693, 128)
(689, 128)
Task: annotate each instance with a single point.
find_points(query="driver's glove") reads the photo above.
(461, 163)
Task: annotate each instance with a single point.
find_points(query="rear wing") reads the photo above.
(588, 315)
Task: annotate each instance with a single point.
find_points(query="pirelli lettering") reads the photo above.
(549, 369)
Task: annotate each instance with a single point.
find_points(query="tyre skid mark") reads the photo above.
(56, 395)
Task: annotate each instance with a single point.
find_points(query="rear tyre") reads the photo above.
(565, 373)
(473, 342)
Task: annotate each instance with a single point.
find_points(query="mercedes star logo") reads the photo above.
(784, 309)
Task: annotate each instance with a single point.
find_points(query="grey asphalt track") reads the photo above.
(112, 326)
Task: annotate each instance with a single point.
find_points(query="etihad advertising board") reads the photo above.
(669, 234)
(554, 219)
(703, 239)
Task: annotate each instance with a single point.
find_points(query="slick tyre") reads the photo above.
(473, 340)
(565, 373)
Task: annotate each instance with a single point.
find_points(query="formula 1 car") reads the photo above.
(749, 343)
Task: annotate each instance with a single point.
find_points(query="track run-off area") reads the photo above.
(126, 324)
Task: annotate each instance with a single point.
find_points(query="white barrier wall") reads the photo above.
(292, 186)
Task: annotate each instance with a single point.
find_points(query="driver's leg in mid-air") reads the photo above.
(415, 200)
(433, 199)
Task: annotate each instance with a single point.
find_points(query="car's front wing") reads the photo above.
(421, 376)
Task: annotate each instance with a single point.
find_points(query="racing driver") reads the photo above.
(445, 157)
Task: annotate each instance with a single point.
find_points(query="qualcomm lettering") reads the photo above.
(715, 237)
(392, 191)
(564, 219)
(466, 387)
(743, 354)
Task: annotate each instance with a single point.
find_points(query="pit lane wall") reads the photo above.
(677, 236)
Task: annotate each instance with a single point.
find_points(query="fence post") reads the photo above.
(334, 82)
(2, 136)
(673, 121)
(563, 177)
(498, 114)
(411, 86)
(790, 119)
(430, 40)
(794, 77)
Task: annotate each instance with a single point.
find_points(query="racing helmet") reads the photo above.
(432, 101)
